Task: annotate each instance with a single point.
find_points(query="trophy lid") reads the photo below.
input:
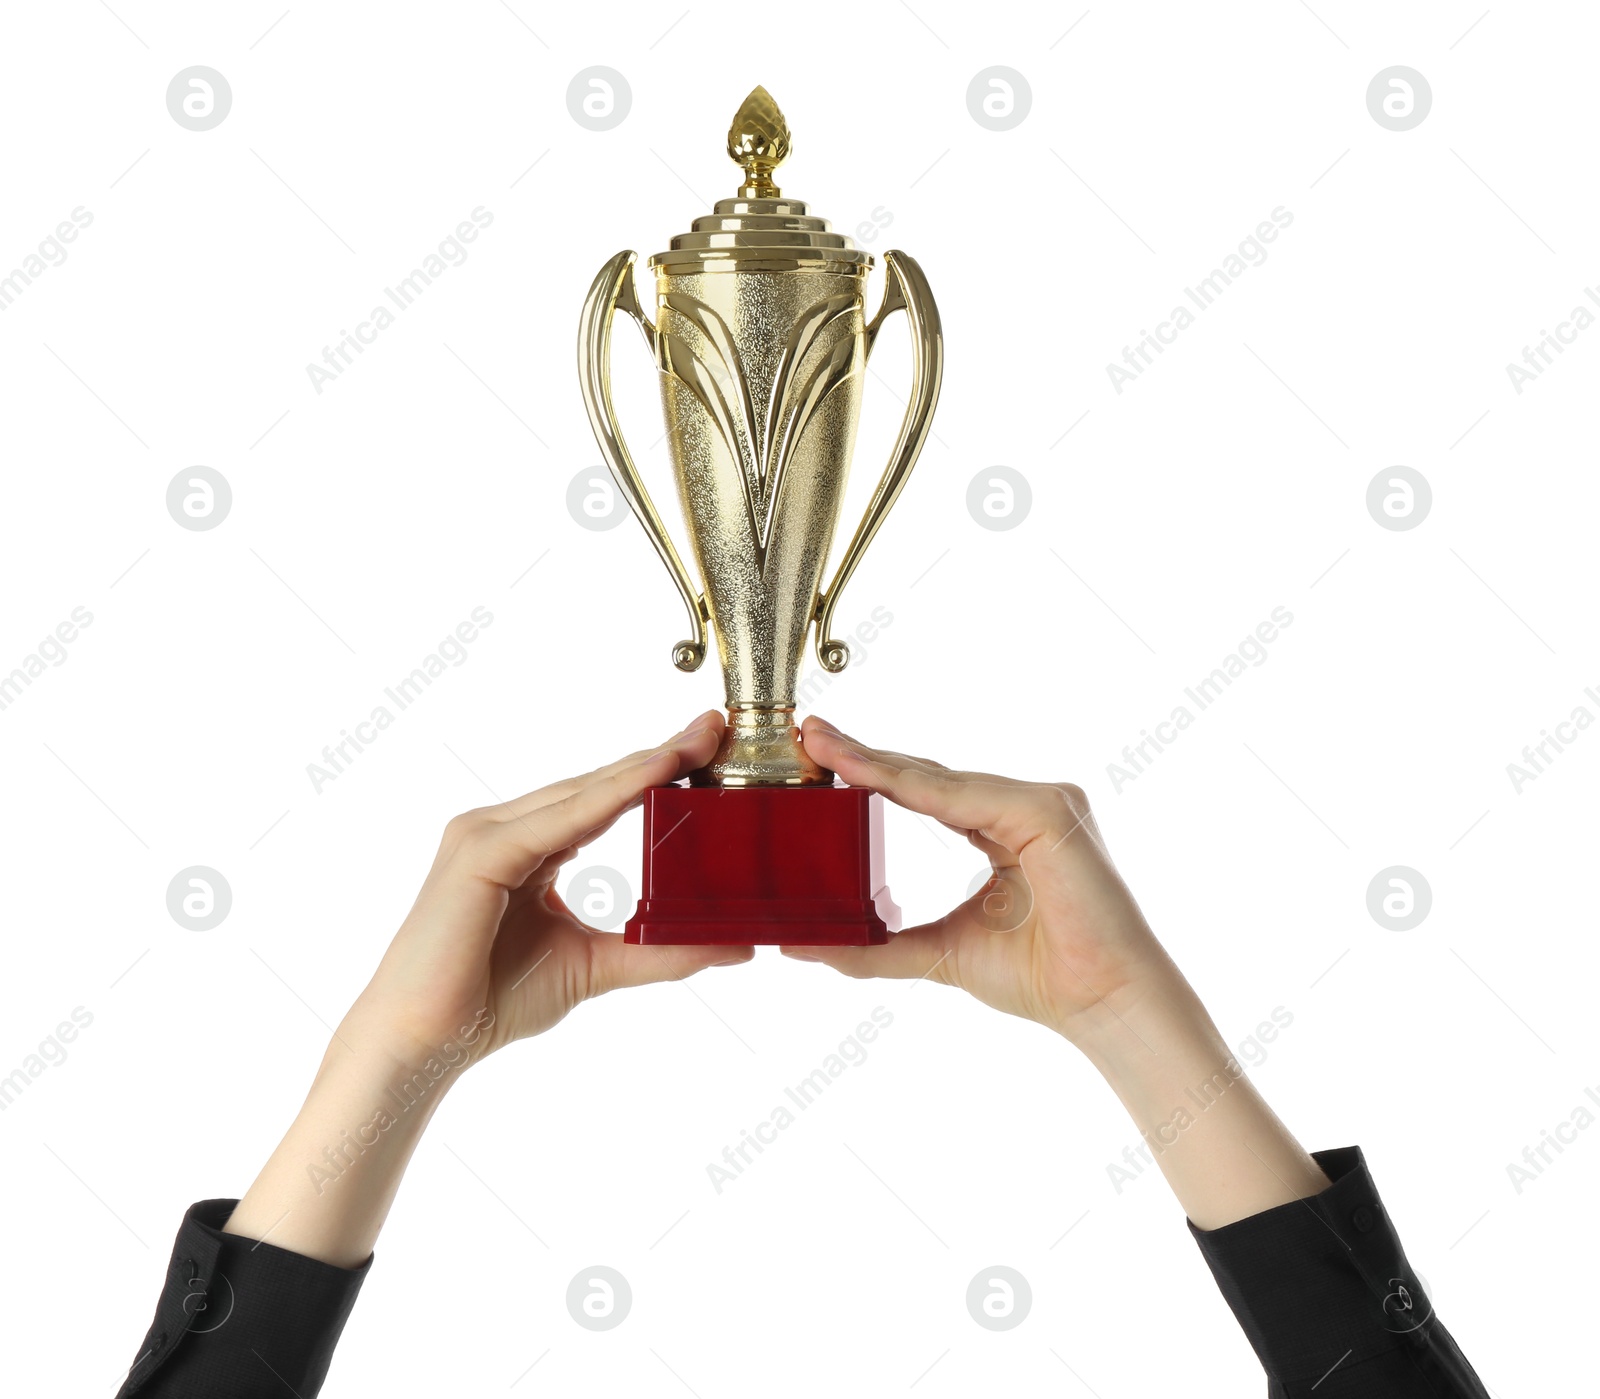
(758, 229)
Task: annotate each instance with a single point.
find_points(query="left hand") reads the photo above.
(490, 944)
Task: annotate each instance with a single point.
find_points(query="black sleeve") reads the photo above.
(240, 1318)
(1324, 1293)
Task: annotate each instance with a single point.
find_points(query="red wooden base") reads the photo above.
(746, 866)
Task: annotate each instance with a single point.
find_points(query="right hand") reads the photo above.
(1056, 937)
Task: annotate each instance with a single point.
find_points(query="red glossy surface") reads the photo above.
(749, 866)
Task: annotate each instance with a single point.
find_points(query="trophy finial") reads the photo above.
(758, 140)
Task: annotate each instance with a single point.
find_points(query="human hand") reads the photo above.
(490, 947)
(488, 954)
(1068, 947)
(1056, 937)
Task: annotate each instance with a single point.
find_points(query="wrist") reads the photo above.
(1154, 1028)
(376, 1071)
(328, 1186)
(1220, 1147)
(401, 1044)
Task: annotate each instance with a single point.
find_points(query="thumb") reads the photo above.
(923, 951)
(616, 964)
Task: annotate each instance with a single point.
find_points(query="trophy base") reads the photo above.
(763, 866)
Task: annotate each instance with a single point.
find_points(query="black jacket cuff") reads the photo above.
(1326, 1296)
(241, 1317)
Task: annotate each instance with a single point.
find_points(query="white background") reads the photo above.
(1166, 522)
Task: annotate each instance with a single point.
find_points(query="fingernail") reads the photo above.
(798, 956)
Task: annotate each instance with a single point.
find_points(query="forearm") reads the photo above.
(1221, 1148)
(328, 1187)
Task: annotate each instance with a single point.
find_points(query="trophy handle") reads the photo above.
(612, 291)
(907, 291)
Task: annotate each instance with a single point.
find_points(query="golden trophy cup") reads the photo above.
(761, 340)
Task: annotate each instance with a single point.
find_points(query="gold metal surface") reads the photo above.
(762, 748)
(761, 341)
(759, 141)
(613, 290)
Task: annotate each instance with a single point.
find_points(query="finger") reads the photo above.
(711, 721)
(923, 951)
(815, 722)
(614, 964)
(915, 759)
(540, 885)
(998, 856)
(506, 852)
(1005, 811)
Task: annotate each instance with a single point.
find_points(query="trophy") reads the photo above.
(761, 340)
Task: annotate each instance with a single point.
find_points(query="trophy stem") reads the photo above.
(761, 748)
